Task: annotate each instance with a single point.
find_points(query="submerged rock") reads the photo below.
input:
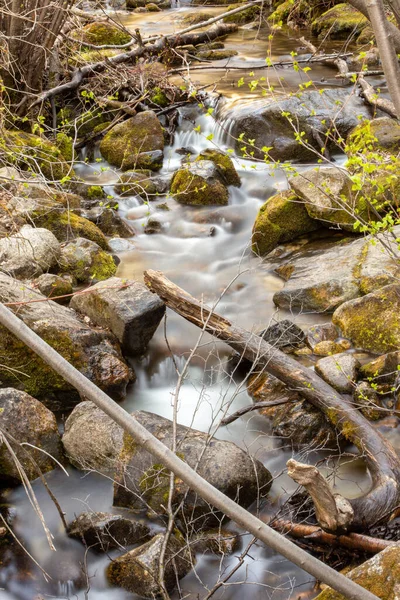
(136, 143)
(221, 463)
(372, 322)
(282, 218)
(26, 420)
(29, 252)
(270, 123)
(102, 33)
(199, 184)
(86, 261)
(340, 371)
(137, 571)
(102, 531)
(93, 351)
(92, 440)
(380, 575)
(127, 308)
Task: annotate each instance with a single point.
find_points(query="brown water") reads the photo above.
(207, 266)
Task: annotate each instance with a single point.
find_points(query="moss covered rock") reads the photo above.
(372, 322)
(216, 54)
(339, 22)
(137, 570)
(140, 183)
(51, 285)
(66, 225)
(223, 464)
(282, 218)
(109, 222)
(36, 154)
(65, 144)
(95, 353)
(224, 165)
(102, 33)
(27, 420)
(86, 261)
(137, 143)
(375, 134)
(196, 17)
(199, 184)
(380, 575)
(245, 16)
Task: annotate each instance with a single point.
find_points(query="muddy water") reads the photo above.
(206, 250)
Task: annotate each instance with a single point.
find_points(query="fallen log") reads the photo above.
(382, 462)
(351, 541)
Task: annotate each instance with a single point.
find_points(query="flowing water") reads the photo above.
(205, 250)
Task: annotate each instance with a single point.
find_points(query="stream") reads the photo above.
(206, 251)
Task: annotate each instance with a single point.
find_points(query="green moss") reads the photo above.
(103, 267)
(224, 164)
(159, 97)
(188, 188)
(103, 33)
(216, 54)
(339, 22)
(66, 225)
(92, 119)
(80, 59)
(65, 144)
(245, 16)
(281, 219)
(196, 17)
(95, 191)
(36, 154)
(282, 11)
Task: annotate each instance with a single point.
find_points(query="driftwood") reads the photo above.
(351, 541)
(380, 458)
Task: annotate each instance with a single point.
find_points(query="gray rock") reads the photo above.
(143, 184)
(284, 334)
(28, 253)
(54, 285)
(221, 463)
(95, 353)
(137, 570)
(103, 531)
(92, 440)
(119, 245)
(127, 308)
(326, 332)
(26, 420)
(327, 195)
(109, 222)
(86, 261)
(340, 371)
(217, 541)
(311, 112)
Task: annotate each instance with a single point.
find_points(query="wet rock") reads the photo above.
(109, 222)
(66, 225)
(199, 184)
(216, 54)
(86, 261)
(153, 226)
(383, 369)
(223, 464)
(368, 401)
(92, 440)
(327, 196)
(339, 22)
(137, 570)
(284, 334)
(328, 347)
(140, 183)
(216, 541)
(26, 420)
(325, 332)
(127, 308)
(340, 371)
(119, 245)
(224, 165)
(380, 134)
(372, 322)
(94, 352)
(282, 218)
(312, 112)
(54, 285)
(137, 143)
(29, 252)
(380, 575)
(103, 531)
(263, 387)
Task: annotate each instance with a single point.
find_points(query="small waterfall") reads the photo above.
(65, 589)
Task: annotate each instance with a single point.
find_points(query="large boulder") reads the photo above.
(327, 196)
(137, 143)
(92, 440)
(199, 184)
(322, 281)
(103, 531)
(380, 575)
(141, 481)
(26, 420)
(270, 123)
(86, 261)
(94, 352)
(66, 226)
(282, 218)
(372, 322)
(137, 571)
(29, 252)
(126, 307)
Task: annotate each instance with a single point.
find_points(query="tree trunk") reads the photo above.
(380, 458)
